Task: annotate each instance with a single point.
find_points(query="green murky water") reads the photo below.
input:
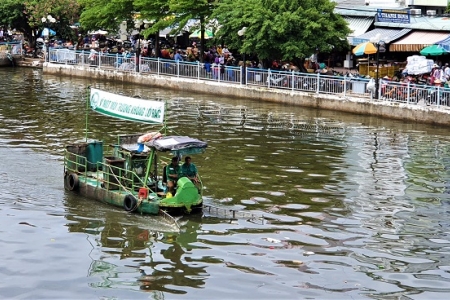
(356, 207)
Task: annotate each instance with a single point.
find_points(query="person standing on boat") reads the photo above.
(189, 170)
(173, 172)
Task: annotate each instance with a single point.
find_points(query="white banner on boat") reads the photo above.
(127, 108)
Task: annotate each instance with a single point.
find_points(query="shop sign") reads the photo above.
(393, 16)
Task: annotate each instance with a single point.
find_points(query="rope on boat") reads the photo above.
(234, 214)
(169, 218)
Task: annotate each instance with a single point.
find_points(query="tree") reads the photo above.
(12, 15)
(185, 10)
(106, 14)
(25, 16)
(281, 29)
(158, 14)
(65, 13)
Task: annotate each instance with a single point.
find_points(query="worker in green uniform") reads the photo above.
(173, 172)
(189, 170)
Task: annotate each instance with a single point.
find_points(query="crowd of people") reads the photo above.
(438, 76)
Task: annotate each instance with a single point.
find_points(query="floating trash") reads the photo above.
(226, 200)
(274, 241)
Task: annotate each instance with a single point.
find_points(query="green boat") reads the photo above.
(131, 173)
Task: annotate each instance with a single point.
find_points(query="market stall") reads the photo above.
(387, 67)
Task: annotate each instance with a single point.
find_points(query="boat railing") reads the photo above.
(119, 178)
(110, 173)
(74, 163)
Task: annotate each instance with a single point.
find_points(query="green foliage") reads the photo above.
(185, 10)
(281, 29)
(155, 11)
(12, 15)
(25, 16)
(65, 11)
(106, 14)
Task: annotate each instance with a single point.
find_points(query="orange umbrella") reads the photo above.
(364, 48)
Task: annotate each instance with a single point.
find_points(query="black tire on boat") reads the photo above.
(130, 203)
(72, 182)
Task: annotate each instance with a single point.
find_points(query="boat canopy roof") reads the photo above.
(178, 144)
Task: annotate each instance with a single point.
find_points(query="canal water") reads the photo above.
(353, 207)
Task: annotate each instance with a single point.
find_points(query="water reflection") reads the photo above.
(354, 207)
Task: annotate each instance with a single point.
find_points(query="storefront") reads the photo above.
(387, 66)
(417, 40)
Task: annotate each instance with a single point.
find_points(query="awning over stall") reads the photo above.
(445, 43)
(386, 35)
(417, 40)
(358, 25)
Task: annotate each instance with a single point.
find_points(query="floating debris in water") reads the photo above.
(25, 223)
(225, 200)
(274, 241)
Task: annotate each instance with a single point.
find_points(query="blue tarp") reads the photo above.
(47, 32)
(445, 43)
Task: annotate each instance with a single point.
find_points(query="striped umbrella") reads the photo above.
(364, 48)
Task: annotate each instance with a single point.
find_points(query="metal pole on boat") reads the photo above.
(165, 117)
(149, 166)
(87, 110)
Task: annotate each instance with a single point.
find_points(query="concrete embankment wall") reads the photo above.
(363, 106)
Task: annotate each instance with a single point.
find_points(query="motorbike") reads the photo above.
(37, 51)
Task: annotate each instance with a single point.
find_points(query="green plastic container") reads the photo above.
(94, 155)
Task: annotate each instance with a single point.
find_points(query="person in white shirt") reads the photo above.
(446, 72)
